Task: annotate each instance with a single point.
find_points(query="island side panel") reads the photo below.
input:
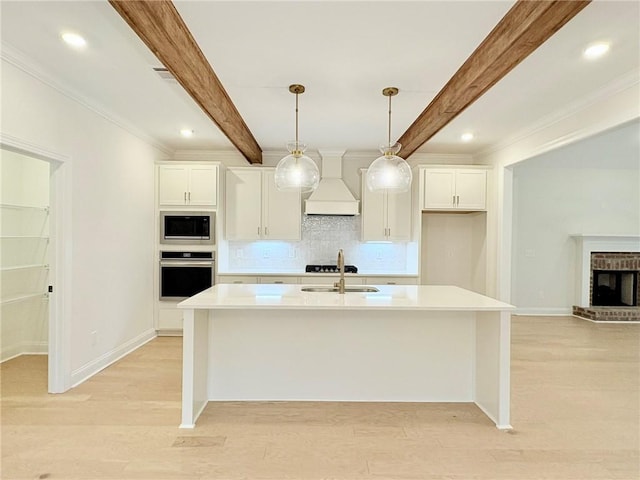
(342, 355)
(493, 359)
(195, 364)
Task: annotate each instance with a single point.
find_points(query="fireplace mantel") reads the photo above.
(588, 243)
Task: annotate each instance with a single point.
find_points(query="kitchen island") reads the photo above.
(413, 343)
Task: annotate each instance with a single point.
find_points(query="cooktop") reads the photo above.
(330, 269)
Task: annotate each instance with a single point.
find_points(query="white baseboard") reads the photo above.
(90, 369)
(24, 348)
(169, 332)
(545, 312)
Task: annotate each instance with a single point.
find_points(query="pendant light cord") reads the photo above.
(296, 121)
(389, 120)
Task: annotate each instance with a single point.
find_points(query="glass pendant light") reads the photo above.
(296, 171)
(389, 172)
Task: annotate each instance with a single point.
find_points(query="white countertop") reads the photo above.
(390, 297)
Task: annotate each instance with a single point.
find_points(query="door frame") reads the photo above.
(59, 350)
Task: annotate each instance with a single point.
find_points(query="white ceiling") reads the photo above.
(344, 53)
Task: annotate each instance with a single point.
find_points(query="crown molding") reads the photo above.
(18, 59)
(223, 156)
(31, 149)
(625, 82)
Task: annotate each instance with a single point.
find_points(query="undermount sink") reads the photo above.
(348, 289)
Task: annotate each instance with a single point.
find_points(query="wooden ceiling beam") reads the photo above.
(161, 28)
(526, 26)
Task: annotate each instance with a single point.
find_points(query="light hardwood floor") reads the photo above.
(575, 412)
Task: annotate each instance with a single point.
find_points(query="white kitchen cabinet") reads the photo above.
(286, 279)
(191, 185)
(385, 216)
(237, 279)
(256, 210)
(454, 189)
(329, 280)
(169, 320)
(391, 280)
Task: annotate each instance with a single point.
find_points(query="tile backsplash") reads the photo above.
(322, 236)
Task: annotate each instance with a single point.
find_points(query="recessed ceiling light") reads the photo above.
(187, 132)
(595, 50)
(466, 137)
(74, 40)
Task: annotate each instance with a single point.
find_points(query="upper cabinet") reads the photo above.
(385, 216)
(454, 189)
(188, 185)
(256, 210)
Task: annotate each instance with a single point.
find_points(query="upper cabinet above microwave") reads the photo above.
(454, 189)
(192, 185)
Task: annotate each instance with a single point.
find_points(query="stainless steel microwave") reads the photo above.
(187, 228)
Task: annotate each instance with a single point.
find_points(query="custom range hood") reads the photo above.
(332, 197)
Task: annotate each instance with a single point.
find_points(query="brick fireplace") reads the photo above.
(608, 277)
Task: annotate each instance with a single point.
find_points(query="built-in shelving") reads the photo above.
(22, 298)
(19, 237)
(25, 267)
(24, 207)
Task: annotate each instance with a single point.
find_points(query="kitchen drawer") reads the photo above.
(391, 280)
(237, 279)
(274, 279)
(329, 280)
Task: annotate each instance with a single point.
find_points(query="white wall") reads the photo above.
(591, 187)
(617, 104)
(112, 234)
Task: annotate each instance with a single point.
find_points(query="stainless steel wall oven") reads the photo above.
(183, 274)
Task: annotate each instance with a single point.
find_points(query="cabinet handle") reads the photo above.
(258, 231)
(454, 200)
(278, 281)
(185, 197)
(457, 200)
(266, 231)
(189, 197)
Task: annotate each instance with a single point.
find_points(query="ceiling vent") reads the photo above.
(164, 74)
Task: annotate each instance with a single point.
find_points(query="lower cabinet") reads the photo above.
(318, 279)
(330, 280)
(279, 280)
(169, 320)
(391, 280)
(236, 279)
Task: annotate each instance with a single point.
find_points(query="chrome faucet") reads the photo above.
(340, 284)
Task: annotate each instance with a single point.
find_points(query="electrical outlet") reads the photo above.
(94, 338)
(239, 253)
(541, 294)
(530, 253)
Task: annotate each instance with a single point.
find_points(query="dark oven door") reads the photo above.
(183, 274)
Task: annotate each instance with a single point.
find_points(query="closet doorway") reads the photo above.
(31, 186)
